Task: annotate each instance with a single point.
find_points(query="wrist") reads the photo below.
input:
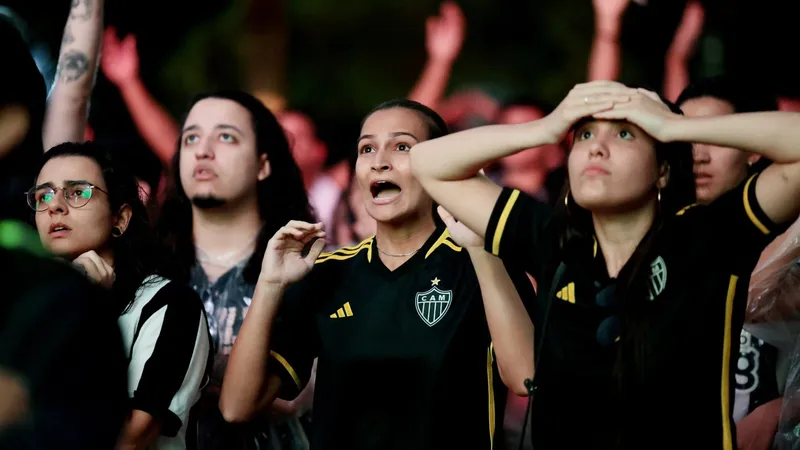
(606, 28)
(270, 285)
(129, 84)
(440, 62)
(476, 250)
(671, 129)
(548, 129)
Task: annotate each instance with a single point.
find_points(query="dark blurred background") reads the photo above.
(335, 60)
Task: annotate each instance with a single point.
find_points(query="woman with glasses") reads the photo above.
(88, 211)
(642, 296)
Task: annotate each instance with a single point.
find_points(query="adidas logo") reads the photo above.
(344, 311)
(567, 293)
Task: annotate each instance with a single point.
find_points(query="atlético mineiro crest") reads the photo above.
(658, 277)
(433, 304)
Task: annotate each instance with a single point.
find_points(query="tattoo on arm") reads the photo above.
(81, 9)
(68, 37)
(72, 66)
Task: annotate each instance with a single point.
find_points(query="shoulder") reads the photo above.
(157, 292)
(346, 254)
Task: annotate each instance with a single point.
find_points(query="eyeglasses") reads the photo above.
(76, 193)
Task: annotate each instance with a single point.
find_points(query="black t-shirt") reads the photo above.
(405, 356)
(59, 334)
(700, 265)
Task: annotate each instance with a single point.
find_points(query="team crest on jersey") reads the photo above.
(658, 277)
(433, 304)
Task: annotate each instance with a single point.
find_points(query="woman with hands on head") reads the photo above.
(88, 211)
(642, 293)
(419, 315)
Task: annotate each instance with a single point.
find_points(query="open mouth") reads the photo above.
(59, 228)
(204, 173)
(384, 190)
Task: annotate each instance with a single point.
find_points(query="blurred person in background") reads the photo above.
(355, 310)
(53, 392)
(352, 223)
(88, 211)
(311, 154)
(234, 183)
(757, 404)
(533, 171)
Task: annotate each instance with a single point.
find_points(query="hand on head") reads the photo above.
(610, 100)
(646, 110)
(586, 100)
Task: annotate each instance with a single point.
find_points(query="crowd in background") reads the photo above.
(180, 316)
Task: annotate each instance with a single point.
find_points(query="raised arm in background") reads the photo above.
(68, 105)
(120, 65)
(676, 63)
(444, 36)
(605, 57)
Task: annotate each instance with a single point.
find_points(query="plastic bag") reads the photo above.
(773, 306)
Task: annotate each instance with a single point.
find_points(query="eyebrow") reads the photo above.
(394, 135)
(65, 183)
(218, 127)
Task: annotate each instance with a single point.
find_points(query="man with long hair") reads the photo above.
(234, 184)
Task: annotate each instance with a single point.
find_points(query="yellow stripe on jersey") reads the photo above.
(501, 224)
(348, 252)
(288, 368)
(727, 439)
(490, 379)
(683, 210)
(443, 240)
(749, 209)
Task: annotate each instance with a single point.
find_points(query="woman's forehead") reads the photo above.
(70, 168)
(394, 120)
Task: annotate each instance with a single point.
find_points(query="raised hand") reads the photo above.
(283, 261)
(610, 9)
(688, 31)
(586, 100)
(645, 110)
(444, 34)
(460, 233)
(120, 59)
(96, 268)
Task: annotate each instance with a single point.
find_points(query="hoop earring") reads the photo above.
(116, 232)
(659, 196)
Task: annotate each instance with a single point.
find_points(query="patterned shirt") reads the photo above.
(226, 302)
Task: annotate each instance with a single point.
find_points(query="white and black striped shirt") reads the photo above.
(166, 340)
